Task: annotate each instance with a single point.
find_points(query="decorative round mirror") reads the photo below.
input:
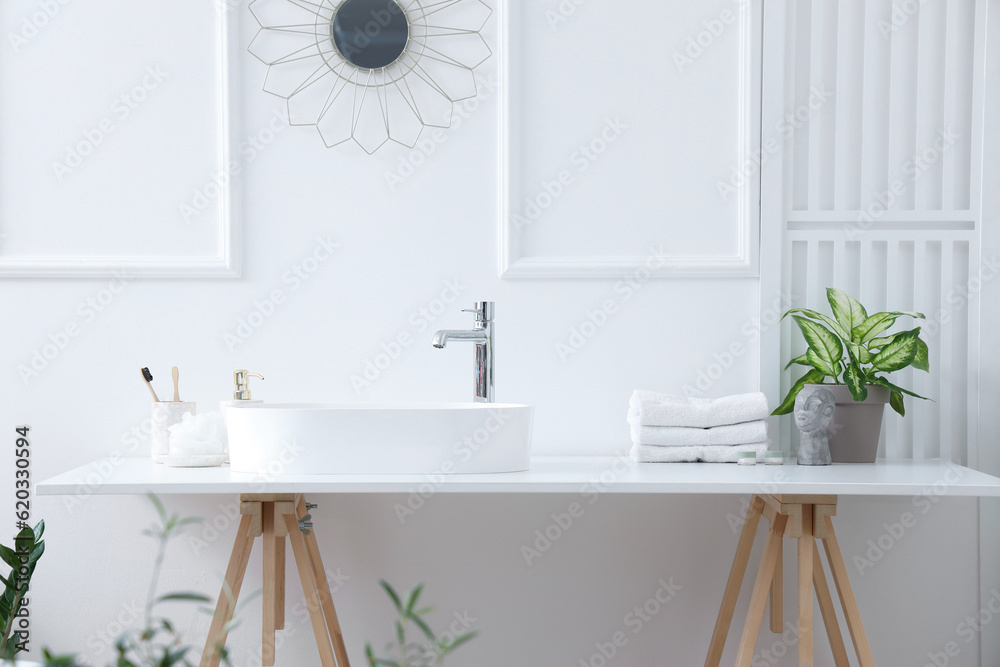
(370, 34)
(371, 71)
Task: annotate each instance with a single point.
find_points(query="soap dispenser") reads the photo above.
(241, 395)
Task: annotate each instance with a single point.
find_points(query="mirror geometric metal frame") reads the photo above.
(371, 106)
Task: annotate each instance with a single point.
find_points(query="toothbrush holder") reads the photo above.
(165, 414)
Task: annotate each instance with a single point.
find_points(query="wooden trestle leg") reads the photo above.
(806, 518)
(273, 517)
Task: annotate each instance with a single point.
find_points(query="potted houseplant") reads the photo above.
(22, 559)
(851, 354)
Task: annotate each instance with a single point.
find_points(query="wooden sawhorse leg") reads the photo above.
(805, 518)
(273, 517)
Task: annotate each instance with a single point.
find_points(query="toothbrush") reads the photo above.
(175, 373)
(148, 377)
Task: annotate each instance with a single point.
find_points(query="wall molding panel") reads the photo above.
(517, 261)
(215, 252)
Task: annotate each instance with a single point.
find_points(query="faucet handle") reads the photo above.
(483, 311)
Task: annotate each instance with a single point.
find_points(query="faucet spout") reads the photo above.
(482, 335)
(441, 338)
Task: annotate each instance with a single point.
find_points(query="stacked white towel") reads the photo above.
(668, 429)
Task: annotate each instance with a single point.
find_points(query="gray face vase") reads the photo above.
(814, 407)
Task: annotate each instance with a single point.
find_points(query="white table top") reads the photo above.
(578, 475)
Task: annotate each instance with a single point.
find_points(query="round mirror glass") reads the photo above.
(370, 33)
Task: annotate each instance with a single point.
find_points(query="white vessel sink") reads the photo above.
(362, 439)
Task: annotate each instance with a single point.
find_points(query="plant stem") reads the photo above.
(5, 637)
(161, 551)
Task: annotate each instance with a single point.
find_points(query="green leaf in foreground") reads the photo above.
(898, 354)
(922, 358)
(855, 380)
(821, 340)
(848, 310)
(896, 401)
(816, 315)
(812, 376)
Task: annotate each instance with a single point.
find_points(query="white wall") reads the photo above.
(398, 250)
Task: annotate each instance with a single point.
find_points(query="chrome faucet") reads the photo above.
(482, 335)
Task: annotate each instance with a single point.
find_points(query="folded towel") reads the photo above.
(707, 454)
(647, 408)
(680, 436)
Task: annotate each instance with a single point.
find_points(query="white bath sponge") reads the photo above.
(198, 435)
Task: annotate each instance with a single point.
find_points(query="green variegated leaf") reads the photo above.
(848, 310)
(801, 360)
(856, 382)
(821, 340)
(864, 356)
(878, 323)
(812, 376)
(896, 401)
(879, 343)
(891, 387)
(922, 359)
(833, 324)
(859, 354)
(899, 353)
(822, 365)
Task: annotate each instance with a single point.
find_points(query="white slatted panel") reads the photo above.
(876, 204)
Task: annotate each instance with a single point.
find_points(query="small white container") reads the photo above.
(746, 458)
(774, 458)
(164, 415)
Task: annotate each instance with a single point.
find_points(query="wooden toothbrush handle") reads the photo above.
(175, 373)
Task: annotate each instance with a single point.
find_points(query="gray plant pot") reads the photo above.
(856, 425)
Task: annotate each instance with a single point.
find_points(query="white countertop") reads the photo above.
(547, 475)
